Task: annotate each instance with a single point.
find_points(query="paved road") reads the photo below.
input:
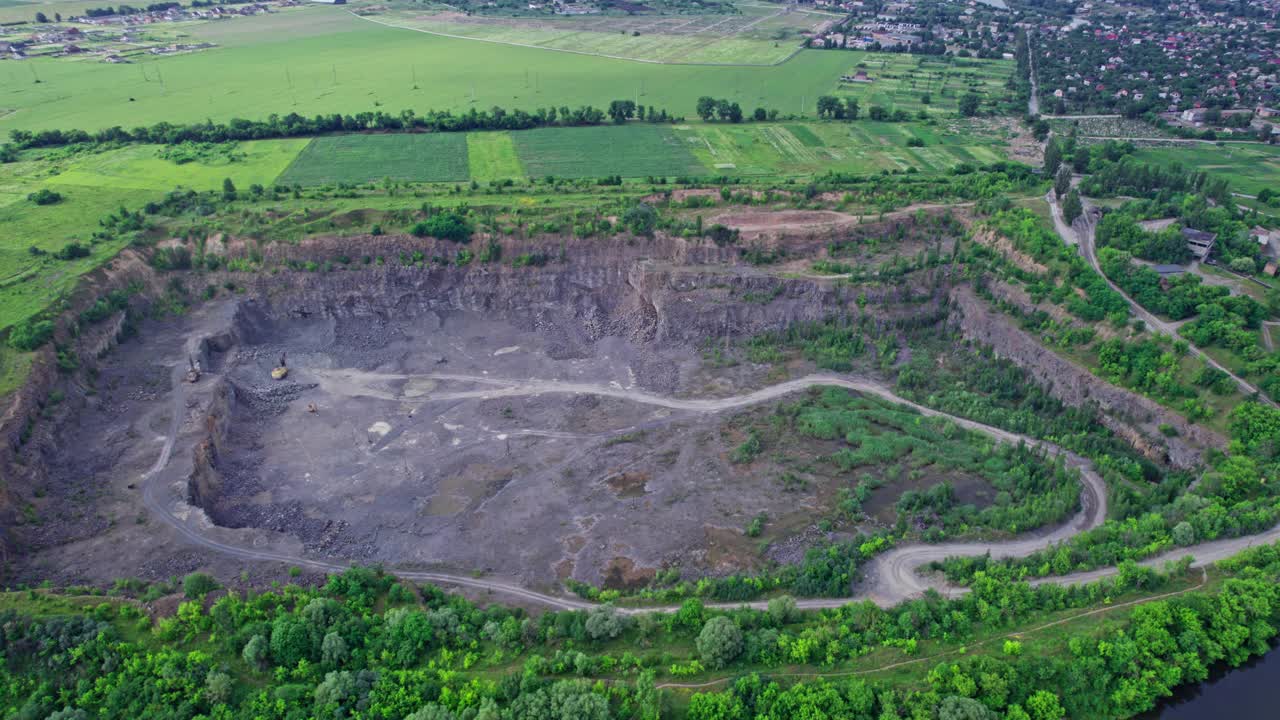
(1085, 240)
(891, 577)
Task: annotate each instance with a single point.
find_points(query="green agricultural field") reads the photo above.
(144, 167)
(1249, 167)
(19, 10)
(630, 151)
(28, 282)
(762, 34)
(492, 156)
(93, 185)
(863, 146)
(434, 157)
(323, 60)
(901, 82)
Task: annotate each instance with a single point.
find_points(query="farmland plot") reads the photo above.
(434, 157)
(629, 151)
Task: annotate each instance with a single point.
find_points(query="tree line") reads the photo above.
(363, 644)
(295, 125)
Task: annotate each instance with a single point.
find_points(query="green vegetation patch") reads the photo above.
(30, 279)
(200, 166)
(324, 60)
(897, 81)
(629, 151)
(861, 147)
(1248, 167)
(805, 135)
(492, 156)
(432, 157)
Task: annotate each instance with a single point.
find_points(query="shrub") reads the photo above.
(71, 251)
(197, 585)
(604, 623)
(29, 335)
(447, 225)
(45, 196)
(640, 219)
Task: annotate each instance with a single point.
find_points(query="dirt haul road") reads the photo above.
(891, 576)
(1085, 240)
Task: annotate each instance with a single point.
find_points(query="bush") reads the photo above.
(640, 219)
(29, 335)
(45, 196)
(197, 585)
(177, 257)
(71, 251)
(604, 623)
(447, 225)
(1243, 265)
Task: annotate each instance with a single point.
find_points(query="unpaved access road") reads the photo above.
(891, 577)
(1085, 239)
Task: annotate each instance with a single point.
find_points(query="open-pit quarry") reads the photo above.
(494, 426)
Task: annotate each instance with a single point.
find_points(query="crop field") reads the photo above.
(1249, 167)
(19, 10)
(633, 151)
(143, 167)
(900, 81)
(1107, 127)
(435, 157)
(492, 156)
(761, 35)
(324, 60)
(859, 147)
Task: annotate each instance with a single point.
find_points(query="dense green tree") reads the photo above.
(1072, 207)
(720, 642)
(1052, 157)
(1062, 182)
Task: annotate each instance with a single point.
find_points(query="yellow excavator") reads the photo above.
(281, 371)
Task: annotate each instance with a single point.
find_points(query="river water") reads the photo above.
(1246, 693)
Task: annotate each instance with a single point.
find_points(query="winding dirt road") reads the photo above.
(891, 576)
(1086, 242)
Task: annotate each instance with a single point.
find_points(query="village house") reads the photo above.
(1199, 242)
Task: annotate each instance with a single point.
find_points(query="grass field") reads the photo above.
(492, 156)
(900, 81)
(859, 147)
(28, 283)
(141, 167)
(93, 185)
(322, 60)
(17, 10)
(1248, 167)
(763, 34)
(632, 151)
(436, 157)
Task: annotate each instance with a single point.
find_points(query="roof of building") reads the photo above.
(1169, 269)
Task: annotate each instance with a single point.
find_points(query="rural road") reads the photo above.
(890, 578)
(1085, 241)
